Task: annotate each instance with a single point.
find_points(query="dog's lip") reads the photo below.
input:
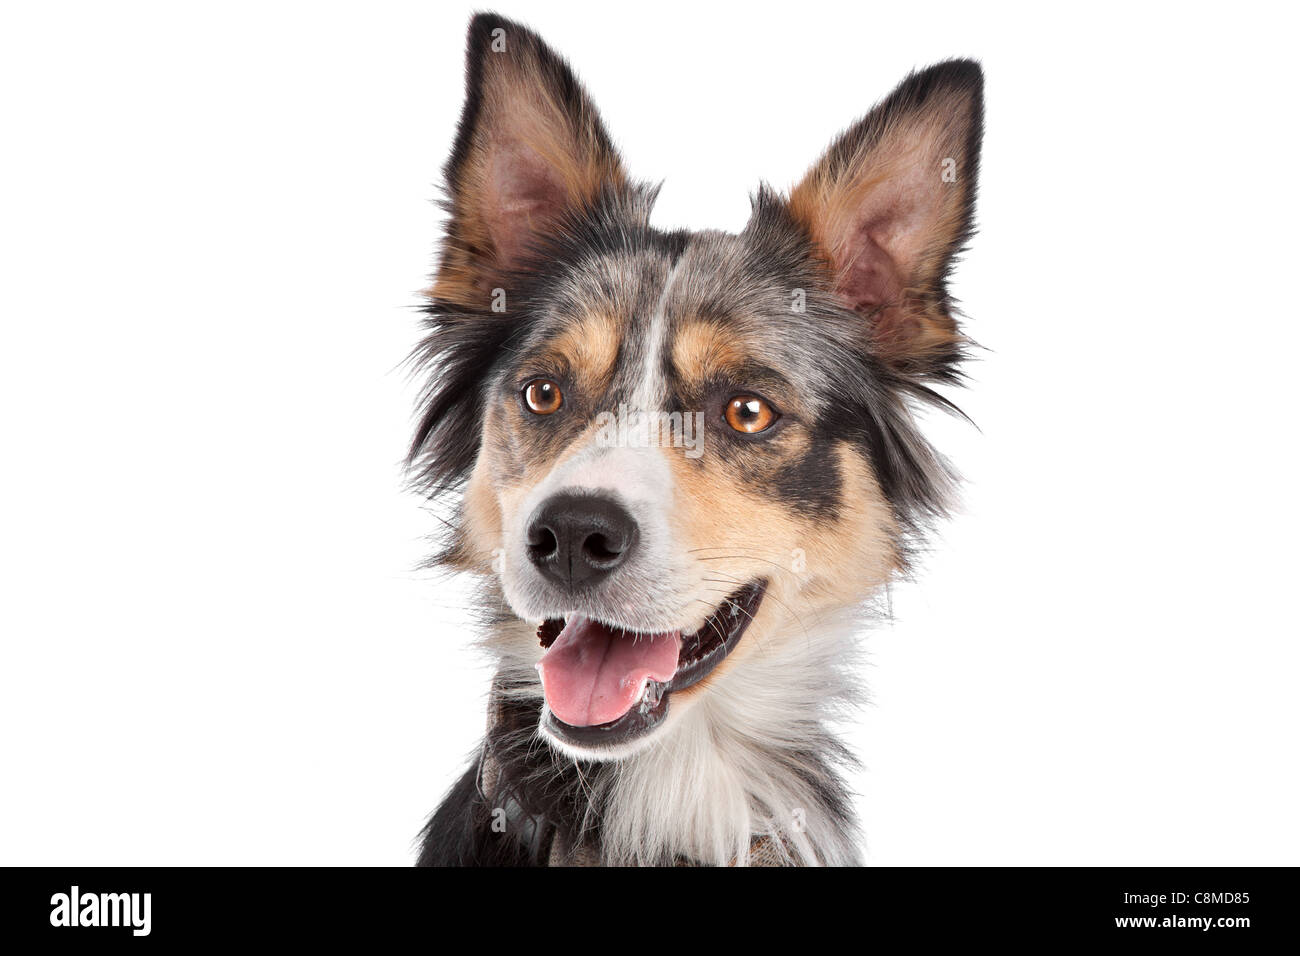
(701, 653)
(717, 637)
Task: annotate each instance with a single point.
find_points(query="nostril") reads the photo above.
(600, 550)
(542, 544)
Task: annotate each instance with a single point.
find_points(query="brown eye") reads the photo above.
(542, 396)
(750, 414)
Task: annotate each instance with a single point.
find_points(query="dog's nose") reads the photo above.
(577, 540)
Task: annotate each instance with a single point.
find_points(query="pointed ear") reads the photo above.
(530, 148)
(890, 205)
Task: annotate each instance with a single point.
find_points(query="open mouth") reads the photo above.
(605, 685)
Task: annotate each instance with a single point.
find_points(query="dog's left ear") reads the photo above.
(890, 205)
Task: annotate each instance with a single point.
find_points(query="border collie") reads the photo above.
(684, 465)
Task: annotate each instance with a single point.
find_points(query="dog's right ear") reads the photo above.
(530, 149)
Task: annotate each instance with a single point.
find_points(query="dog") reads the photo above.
(683, 465)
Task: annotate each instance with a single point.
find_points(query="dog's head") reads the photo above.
(676, 448)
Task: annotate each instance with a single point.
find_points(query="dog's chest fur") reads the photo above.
(751, 779)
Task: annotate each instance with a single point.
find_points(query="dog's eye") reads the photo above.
(542, 396)
(750, 414)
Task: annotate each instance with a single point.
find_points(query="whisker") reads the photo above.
(746, 557)
(789, 610)
(722, 636)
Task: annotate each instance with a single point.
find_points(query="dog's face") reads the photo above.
(681, 447)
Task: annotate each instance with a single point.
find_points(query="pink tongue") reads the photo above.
(592, 675)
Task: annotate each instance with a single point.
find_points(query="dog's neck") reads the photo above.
(753, 764)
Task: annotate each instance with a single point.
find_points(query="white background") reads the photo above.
(216, 219)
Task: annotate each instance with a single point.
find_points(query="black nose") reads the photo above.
(577, 540)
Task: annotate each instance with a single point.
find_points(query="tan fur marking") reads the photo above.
(702, 347)
(587, 349)
(481, 523)
(738, 536)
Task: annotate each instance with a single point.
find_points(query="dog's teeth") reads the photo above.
(652, 693)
